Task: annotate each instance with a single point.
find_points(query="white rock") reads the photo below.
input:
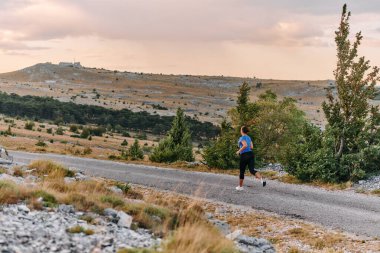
(115, 189)
(17, 180)
(23, 208)
(69, 180)
(125, 220)
(232, 236)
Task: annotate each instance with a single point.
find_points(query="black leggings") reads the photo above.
(247, 158)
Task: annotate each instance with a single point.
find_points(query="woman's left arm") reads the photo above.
(244, 146)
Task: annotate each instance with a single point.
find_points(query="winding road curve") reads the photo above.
(348, 211)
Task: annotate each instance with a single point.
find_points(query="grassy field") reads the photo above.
(206, 97)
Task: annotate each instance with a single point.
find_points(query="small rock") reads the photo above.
(115, 189)
(66, 208)
(221, 225)
(23, 208)
(232, 236)
(248, 244)
(79, 176)
(107, 242)
(125, 220)
(109, 212)
(69, 180)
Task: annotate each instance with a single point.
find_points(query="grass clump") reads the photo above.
(11, 193)
(80, 229)
(199, 237)
(48, 199)
(376, 192)
(87, 218)
(136, 251)
(124, 187)
(43, 167)
(18, 172)
(113, 200)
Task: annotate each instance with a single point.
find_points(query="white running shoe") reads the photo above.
(238, 188)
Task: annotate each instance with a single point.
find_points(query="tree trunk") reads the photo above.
(341, 146)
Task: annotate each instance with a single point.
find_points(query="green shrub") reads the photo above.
(221, 153)
(48, 199)
(41, 144)
(177, 145)
(29, 125)
(135, 152)
(59, 131)
(112, 200)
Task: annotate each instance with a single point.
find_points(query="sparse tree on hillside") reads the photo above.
(177, 145)
(135, 152)
(243, 103)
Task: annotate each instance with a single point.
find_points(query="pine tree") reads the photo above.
(177, 145)
(350, 113)
(135, 152)
(221, 153)
(243, 103)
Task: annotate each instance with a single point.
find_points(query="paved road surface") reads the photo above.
(348, 211)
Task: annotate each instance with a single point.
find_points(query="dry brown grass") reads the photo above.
(282, 231)
(50, 168)
(376, 192)
(10, 193)
(199, 238)
(163, 216)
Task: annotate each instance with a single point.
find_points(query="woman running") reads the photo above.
(247, 158)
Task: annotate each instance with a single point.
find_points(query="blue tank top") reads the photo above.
(248, 140)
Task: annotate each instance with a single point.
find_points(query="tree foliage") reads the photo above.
(275, 126)
(135, 152)
(221, 153)
(46, 108)
(349, 147)
(177, 145)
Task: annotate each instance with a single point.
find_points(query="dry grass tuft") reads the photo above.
(376, 192)
(11, 193)
(199, 238)
(80, 229)
(18, 172)
(45, 167)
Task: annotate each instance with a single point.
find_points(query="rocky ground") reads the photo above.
(370, 184)
(64, 229)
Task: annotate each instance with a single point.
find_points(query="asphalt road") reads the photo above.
(348, 211)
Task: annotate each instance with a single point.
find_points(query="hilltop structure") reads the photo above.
(70, 64)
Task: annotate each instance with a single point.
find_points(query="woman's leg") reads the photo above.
(243, 165)
(251, 166)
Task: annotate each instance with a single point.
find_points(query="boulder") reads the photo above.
(125, 220)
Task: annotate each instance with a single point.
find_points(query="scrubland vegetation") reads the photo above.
(182, 224)
(45, 108)
(348, 149)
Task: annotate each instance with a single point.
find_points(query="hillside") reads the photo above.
(206, 97)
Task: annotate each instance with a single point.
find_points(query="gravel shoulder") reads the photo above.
(347, 211)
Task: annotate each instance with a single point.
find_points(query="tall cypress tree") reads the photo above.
(350, 113)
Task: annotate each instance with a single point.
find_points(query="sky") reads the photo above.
(279, 39)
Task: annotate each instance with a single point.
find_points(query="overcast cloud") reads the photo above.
(144, 35)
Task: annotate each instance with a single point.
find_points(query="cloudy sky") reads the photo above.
(287, 39)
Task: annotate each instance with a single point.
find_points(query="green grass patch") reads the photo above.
(112, 200)
(80, 229)
(49, 199)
